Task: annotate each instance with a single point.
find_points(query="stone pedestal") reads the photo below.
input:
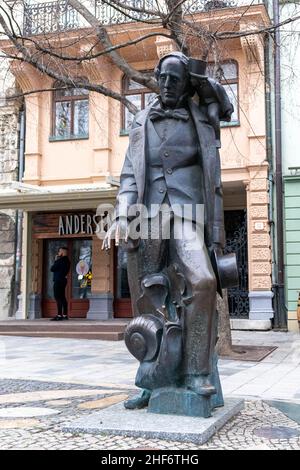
(261, 309)
(19, 312)
(101, 307)
(34, 310)
(250, 325)
(116, 420)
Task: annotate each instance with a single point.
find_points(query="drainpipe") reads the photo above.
(19, 214)
(280, 317)
(269, 145)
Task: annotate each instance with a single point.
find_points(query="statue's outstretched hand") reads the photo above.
(118, 231)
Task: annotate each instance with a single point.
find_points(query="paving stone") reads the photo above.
(26, 412)
(17, 386)
(103, 402)
(292, 410)
(18, 423)
(51, 394)
(58, 402)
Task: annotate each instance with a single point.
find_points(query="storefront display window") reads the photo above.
(82, 270)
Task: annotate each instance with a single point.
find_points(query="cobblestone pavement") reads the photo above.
(45, 384)
(18, 386)
(99, 363)
(259, 426)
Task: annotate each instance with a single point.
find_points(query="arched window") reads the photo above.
(70, 116)
(139, 95)
(227, 73)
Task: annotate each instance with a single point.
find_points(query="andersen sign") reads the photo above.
(78, 224)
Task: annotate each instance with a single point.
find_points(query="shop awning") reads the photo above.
(47, 198)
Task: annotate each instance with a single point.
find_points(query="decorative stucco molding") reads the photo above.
(252, 44)
(27, 77)
(164, 46)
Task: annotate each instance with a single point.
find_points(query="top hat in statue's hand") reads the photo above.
(225, 268)
(197, 69)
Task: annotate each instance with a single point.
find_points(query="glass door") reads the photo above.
(79, 278)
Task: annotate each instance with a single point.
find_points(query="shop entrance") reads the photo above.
(79, 278)
(236, 242)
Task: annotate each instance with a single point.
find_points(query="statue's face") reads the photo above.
(173, 81)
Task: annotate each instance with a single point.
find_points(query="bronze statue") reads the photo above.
(175, 261)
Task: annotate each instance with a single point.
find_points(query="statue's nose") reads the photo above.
(167, 82)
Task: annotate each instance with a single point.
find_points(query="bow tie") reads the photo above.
(156, 114)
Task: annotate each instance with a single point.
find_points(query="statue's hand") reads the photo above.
(118, 231)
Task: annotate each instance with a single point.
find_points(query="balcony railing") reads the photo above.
(56, 16)
(107, 14)
(50, 17)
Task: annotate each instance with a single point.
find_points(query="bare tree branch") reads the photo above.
(53, 53)
(15, 96)
(28, 57)
(118, 60)
(120, 7)
(89, 56)
(174, 24)
(269, 29)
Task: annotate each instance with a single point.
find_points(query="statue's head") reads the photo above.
(172, 75)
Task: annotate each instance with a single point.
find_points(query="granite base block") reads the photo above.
(101, 307)
(118, 421)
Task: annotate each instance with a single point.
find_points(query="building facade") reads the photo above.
(74, 151)
(9, 156)
(290, 106)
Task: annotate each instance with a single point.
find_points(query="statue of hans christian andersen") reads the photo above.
(175, 263)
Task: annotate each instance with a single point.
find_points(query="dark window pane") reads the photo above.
(225, 71)
(122, 279)
(137, 101)
(231, 90)
(132, 85)
(63, 119)
(81, 118)
(63, 92)
(60, 93)
(229, 70)
(80, 91)
(149, 97)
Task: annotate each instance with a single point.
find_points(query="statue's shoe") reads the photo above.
(139, 401)
(200, 385)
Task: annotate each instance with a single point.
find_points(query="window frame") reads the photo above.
(231, 81)
(72, 99)
(143, 91)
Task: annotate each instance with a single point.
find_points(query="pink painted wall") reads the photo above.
(92, 160)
